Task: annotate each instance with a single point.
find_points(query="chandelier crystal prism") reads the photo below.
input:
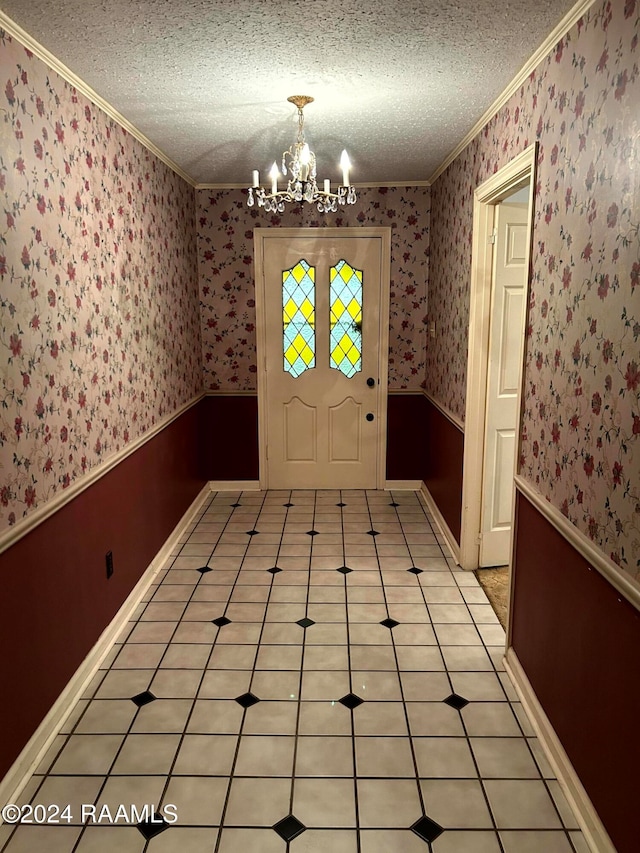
(299, 166)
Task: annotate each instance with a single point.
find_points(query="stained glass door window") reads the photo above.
(346, 319)
(298, 318)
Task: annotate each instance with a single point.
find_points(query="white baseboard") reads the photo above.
(25, 764)
(402, 485)
(594, 832)
(442, 524)
(234, 485)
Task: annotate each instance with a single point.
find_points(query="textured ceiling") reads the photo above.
(397, 82)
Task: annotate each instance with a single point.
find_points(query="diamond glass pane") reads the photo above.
(346, 319)
(298, 318)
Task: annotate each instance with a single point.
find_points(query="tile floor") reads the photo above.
(309, 674)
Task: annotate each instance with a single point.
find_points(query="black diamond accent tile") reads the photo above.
(152, 827)
(305, 623)
(373, 532)
(252, 532)
(341, 504)
(220, 621)
(289, 828)
(288, 504)
(247, 700)
(345, 570)
(204, 569)
(455, 701)
(143, 698)
(236, 504)
(427, 829)
(274, 570)
(389, 623)
(351, 701)
(414, 570)
(393, 503)
(312, 532)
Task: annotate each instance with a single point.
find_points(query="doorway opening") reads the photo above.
(499, 296)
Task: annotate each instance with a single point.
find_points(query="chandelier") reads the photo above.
(299, 164)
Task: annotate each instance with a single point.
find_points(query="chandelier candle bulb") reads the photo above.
(345, 165)
(305, 156)
(327, 185)
(273, 174)
(256, 179)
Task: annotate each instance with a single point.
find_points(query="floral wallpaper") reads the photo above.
(99, 317)
(227, 288)
(581, 429)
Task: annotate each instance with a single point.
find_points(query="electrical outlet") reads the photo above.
(109, 562)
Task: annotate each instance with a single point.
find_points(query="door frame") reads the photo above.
(260, 236)
(501, 184)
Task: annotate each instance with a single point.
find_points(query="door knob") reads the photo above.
(370, 416)
(371, 382)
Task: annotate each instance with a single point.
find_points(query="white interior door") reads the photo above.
(506, 341)
(324, 412)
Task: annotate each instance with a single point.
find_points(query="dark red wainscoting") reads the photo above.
(444, 443)
(578, 641)
(229, 438)
(406, 438)
(55, 597)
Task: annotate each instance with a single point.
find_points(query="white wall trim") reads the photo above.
(234, 485)
(449, 415)
(560, 31)
(46, 510)
(592, 828)
(403, 485)
(596, 558)
(34, 751)
(231, 393)
(397, 184)
(22, 36)
(487, 195)
(434, 509)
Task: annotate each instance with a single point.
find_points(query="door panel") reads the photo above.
(322, 341)
(503, 482)
(511, 340)
(506, 339)
(345, 433)
(300, 431)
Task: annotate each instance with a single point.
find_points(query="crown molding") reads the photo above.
(357, 186)
(16, 32)
(572, 16)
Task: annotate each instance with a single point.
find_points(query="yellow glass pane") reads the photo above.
(289, 311)
(337, 310)
(299, 348)
(353, 354)
(307, 310)
(355, 310)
